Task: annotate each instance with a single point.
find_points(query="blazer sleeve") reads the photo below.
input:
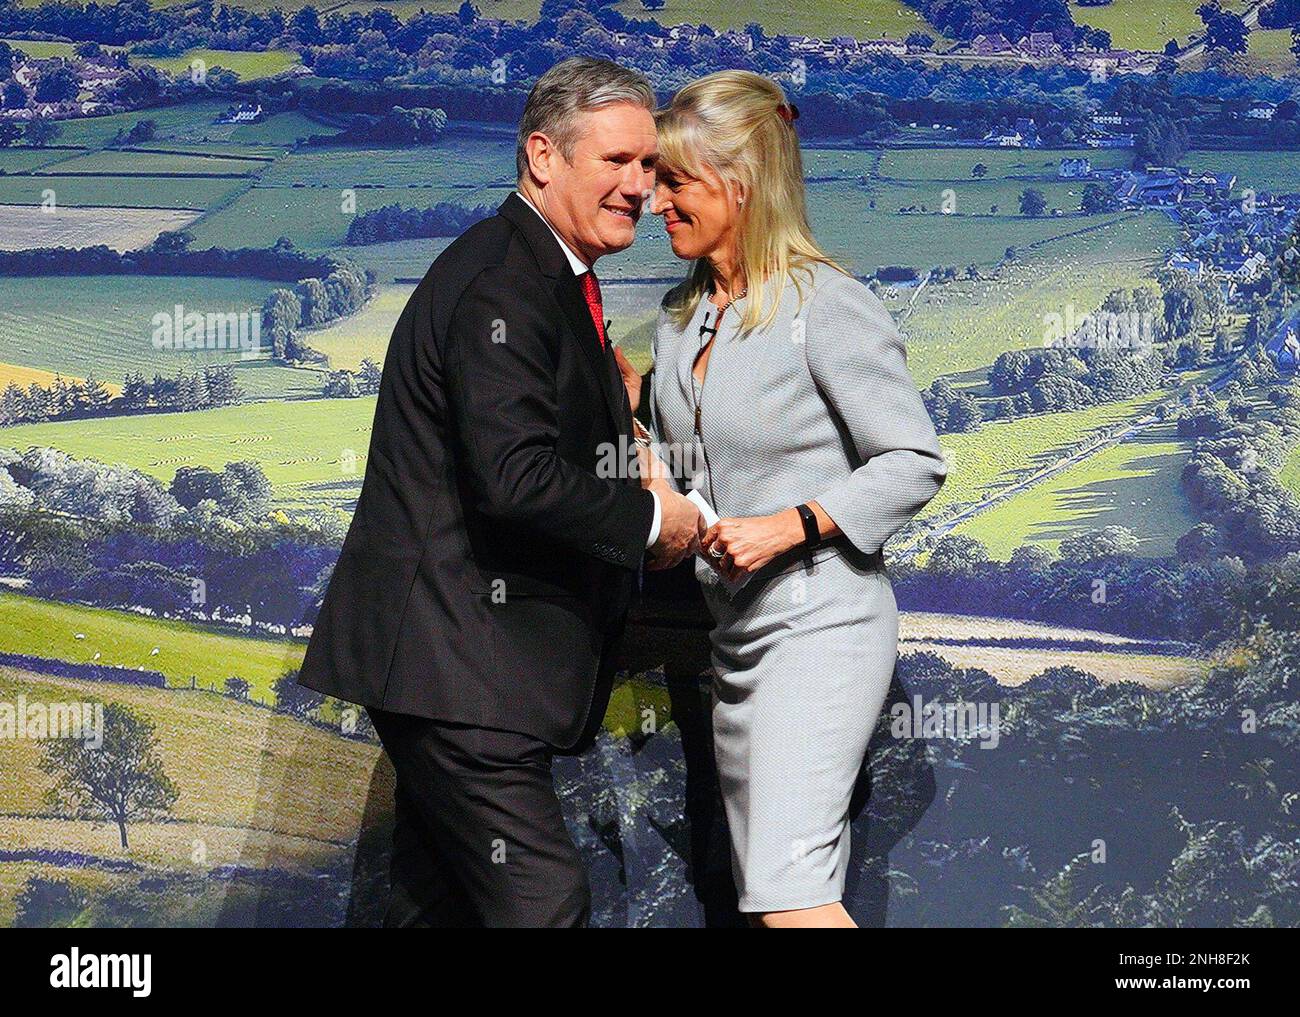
(502, 398)
(857, 359)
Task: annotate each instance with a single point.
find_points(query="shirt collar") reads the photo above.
(575, 262)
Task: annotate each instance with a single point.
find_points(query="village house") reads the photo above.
(1072, 168)
(894, 47)
(1186, 263)
(1039, 45)
(990, 45)
(244, 113)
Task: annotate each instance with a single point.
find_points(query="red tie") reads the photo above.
(591, 290)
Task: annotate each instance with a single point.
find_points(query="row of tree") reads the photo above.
(310, 304)
(352, 384)
(71, 399)
(395, 222)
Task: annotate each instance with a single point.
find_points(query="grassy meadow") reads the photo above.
(313, 452)
(178, 650)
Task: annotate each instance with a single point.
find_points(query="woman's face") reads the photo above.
(699, 214)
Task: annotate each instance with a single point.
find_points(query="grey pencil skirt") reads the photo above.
(802, 663)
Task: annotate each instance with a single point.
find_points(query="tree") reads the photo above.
(15, 96)
(957, 557)
(1223, 30)
(979, 170)
(120, 781)
(294, 699)
(1032, 202)
(1096, 199)
(41, 132)
(58, 85)
(1109, 542)
(281, 314)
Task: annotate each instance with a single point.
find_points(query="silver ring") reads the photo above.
(715, 553)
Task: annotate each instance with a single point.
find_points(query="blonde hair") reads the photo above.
(735, 122)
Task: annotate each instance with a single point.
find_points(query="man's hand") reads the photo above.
(679, 529)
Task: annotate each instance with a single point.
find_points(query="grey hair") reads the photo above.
(571, 87)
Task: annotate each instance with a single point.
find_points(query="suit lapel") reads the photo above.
(568, 294)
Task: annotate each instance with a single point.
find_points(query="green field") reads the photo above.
(312, 451)
(364, 334)
(141, 192)
(249, 65)
(1005, 452)
(1263, 171)
(256, 788)
(86, 635)
(1269, 52)
(1290, 473)
(147, 163)
(302, 194)
(825, 18)
(21, 160)
(962, 326)
(192, 126)
(1134, 484)
(955, 164)
(1148, 24)
(104, 325)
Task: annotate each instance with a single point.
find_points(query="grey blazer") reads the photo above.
(817, 405)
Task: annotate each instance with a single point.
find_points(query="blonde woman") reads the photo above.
(786, 381)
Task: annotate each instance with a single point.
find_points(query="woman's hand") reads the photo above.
(747, 543)
(631, 378)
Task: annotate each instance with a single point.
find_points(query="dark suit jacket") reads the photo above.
(487, 564)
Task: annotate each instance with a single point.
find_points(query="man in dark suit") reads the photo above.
(486, 576)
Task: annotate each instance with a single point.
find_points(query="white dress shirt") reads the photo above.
(579, 266)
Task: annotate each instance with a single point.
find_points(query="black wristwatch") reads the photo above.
(811, 533)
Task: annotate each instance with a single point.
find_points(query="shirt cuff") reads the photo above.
(654, 523)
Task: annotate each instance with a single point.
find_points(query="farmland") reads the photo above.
(313, 451)
(178, 650)
(122, 229)
(249, 65)
(256, 788)
(962, 326)
(1014, 650)
(103, 324)
(364, 334)
(1134, 483)
(1003, 453)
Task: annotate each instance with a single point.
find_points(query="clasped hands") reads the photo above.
(733, 546)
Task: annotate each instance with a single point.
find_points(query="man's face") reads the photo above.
(594, 202)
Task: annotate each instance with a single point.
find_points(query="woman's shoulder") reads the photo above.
(838, 292)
